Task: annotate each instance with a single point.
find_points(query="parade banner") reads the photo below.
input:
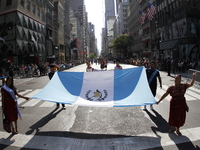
(114, 88)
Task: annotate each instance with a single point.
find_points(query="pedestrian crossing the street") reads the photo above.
(192, 94)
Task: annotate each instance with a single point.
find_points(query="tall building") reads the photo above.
(59, 11)
(121, 19)
(49, 12)
(103, 40)
(22, 26)
(91, 29)
(134, 26)
(76, 48)
(109, 12)
(67, 29)
(78, 6)
(175, 31)
(117, 2)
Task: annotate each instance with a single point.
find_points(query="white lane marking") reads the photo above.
(31, 102)
(141, 141)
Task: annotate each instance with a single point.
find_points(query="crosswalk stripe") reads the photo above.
(25, 92)
(193, 94)
(193, 88)
(21, 100)
(160, 92)
(142, 141)
(32, 102)
(47, 104)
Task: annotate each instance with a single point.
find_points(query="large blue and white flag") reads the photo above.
(116, 88)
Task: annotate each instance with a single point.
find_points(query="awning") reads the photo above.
(168, 45)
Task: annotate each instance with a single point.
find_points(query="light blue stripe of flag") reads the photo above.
(131, 88)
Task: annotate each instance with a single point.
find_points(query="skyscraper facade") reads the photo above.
(109, 12)
(78, 6)
(109, 9)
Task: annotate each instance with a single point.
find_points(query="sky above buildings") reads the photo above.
(95, 10)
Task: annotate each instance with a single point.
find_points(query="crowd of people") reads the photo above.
(175, 65)
(32, 70)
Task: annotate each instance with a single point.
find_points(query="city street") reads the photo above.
(100, 128)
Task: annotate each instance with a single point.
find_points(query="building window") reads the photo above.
(38, 12)
(8, 2)
(22, 3)
(33, 9)
(28, 5)
(43, 16)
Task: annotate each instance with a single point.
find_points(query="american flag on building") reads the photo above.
(142, 17)
(151, 10)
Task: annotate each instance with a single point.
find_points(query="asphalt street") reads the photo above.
(92, 128)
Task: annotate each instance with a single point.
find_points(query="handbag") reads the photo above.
(6, 123)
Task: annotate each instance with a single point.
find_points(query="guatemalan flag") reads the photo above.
(114, 88)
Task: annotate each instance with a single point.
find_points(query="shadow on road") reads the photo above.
(7, 142)
(183, 142)
(43, 121)
(160, 122)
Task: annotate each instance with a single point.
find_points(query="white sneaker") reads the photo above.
(151, 106)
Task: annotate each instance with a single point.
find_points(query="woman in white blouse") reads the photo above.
(118, 67)
(89, 68)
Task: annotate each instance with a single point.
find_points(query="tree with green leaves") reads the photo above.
(93, 55)
(121, 44)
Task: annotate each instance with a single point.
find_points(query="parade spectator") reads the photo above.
(180, 66)
(178, 106)
(106, 64)
(9, 103)
(51, 74)
(152, 75)
(1, 75)
(192, 64)
(168, 64)
(89, 68)
(102, 65)
(118, 66)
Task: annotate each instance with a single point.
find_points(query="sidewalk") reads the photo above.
(18, 81)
